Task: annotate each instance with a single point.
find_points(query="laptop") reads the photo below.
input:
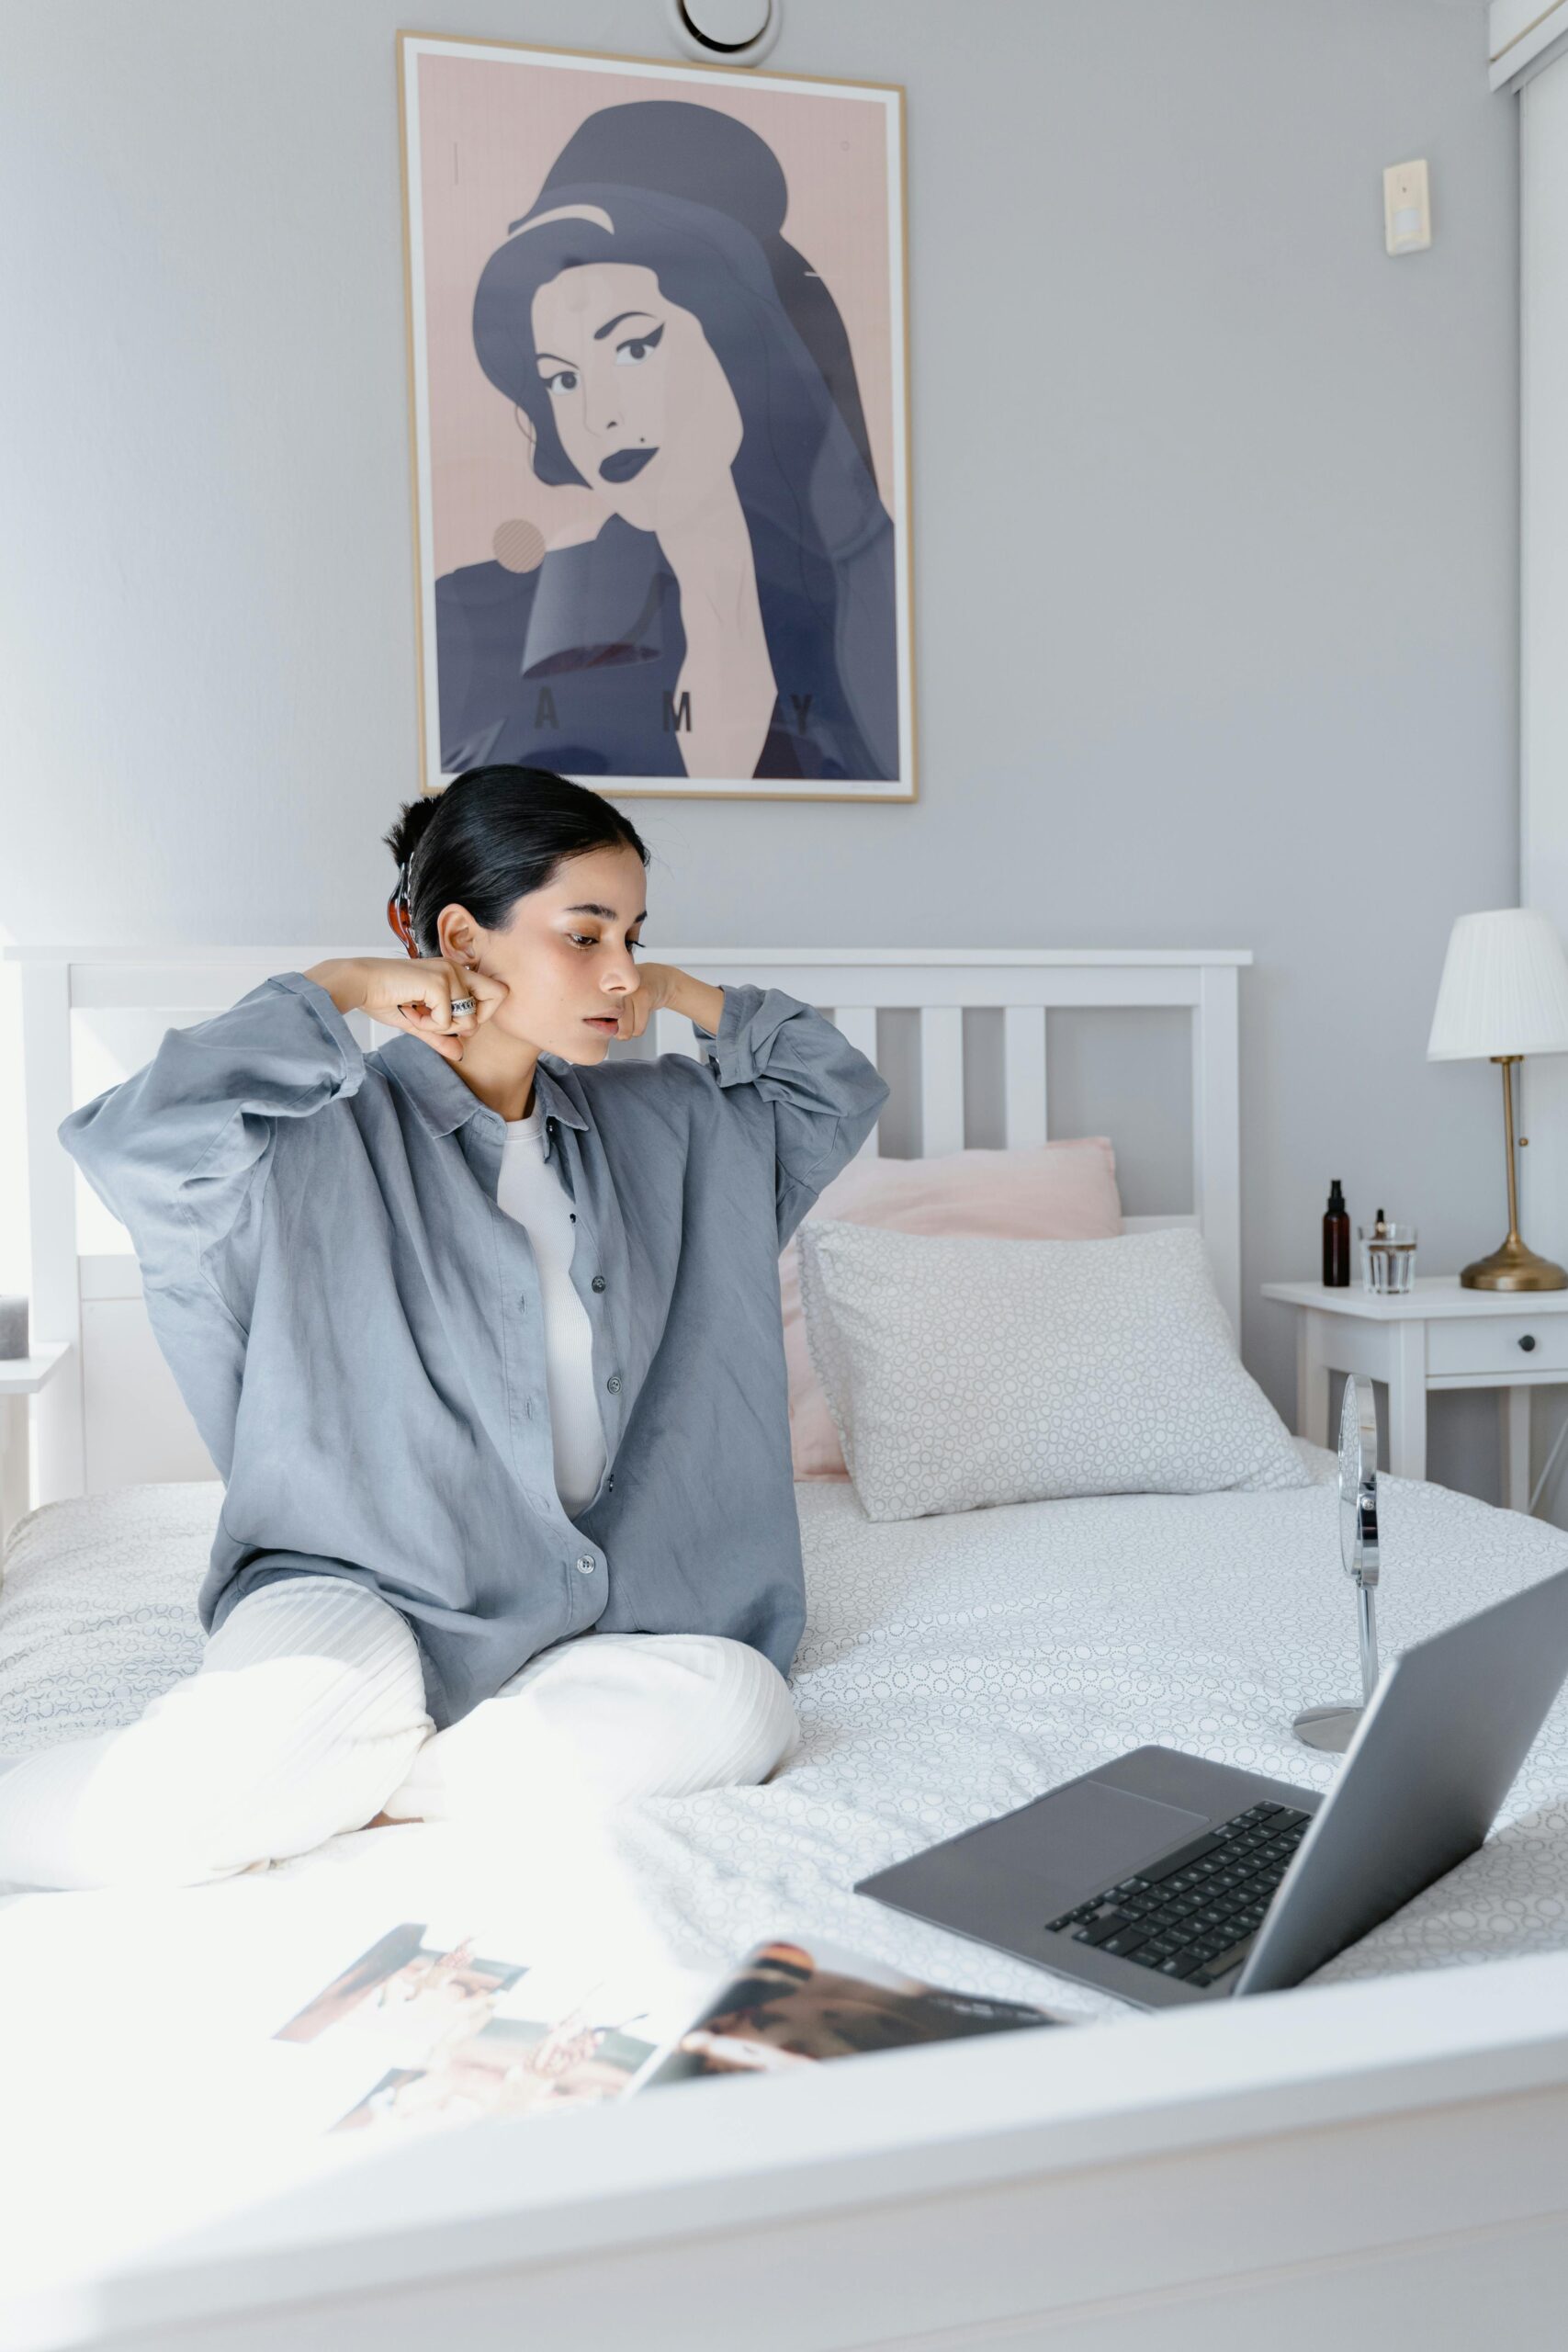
(1164, 1877)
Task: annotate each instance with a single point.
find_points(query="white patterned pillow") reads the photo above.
(962, 1372)
(97, 1609)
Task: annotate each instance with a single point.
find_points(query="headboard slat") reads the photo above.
(1025, 1105)
(942, 1080)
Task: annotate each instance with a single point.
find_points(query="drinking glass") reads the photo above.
(1388, 1258)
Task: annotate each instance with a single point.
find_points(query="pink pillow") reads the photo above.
(1054, 1191)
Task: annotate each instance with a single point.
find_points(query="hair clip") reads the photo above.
(398, 910)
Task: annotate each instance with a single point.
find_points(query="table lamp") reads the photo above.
(1503, 994)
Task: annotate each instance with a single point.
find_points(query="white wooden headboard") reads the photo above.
(110, 1414)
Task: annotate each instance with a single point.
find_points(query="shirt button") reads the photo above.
(598, 1282)
(614, 1382)
(585, 1566)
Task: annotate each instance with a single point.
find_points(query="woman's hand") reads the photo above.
(664, 987)
(415, 994)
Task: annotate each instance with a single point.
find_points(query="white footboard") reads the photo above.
(1381, 2164)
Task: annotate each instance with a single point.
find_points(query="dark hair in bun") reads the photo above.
(492, 836)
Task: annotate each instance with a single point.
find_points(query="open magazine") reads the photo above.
(431, 2029)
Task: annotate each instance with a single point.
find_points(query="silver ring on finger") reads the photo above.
(462, 1005)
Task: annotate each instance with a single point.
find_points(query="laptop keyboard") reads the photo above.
(1194, 1912)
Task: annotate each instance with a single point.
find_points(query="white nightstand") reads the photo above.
(1437, 1336)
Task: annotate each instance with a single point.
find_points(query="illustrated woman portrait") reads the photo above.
(663, 346)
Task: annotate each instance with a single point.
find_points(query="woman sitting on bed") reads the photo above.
(482, 1331)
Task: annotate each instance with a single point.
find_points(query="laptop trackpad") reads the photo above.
(1091, 1833)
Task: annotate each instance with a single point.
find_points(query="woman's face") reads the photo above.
(566, 957)
(643, 408)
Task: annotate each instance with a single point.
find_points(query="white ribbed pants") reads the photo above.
(307, 1717)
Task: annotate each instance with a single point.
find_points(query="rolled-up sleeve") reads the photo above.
(822, 1093)
(174, 1149)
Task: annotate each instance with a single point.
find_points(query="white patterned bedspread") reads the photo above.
(953, 1668)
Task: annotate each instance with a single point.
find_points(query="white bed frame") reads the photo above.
(1377, 2165)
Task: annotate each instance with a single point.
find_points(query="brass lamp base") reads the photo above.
(1514, 1267)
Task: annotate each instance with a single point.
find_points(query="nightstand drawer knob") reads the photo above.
(1528, 1343)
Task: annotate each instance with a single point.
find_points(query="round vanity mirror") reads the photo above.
(1333, 1727)
(1359, 1480)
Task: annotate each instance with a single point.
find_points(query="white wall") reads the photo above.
(1215, 516)
(1543, 105)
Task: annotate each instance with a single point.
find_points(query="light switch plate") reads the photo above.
(1406, 208)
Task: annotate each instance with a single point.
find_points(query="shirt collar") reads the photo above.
(442, 1099)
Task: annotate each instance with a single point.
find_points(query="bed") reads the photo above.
(1381, 2151)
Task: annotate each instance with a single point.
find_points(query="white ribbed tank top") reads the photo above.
(531, 1191)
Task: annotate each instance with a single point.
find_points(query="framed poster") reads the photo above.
(658, 369)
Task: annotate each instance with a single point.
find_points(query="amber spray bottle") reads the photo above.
(1336, 1241)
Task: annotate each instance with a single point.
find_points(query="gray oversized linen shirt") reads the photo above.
(356, 1327)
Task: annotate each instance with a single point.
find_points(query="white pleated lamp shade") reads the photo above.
(1504, 989)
